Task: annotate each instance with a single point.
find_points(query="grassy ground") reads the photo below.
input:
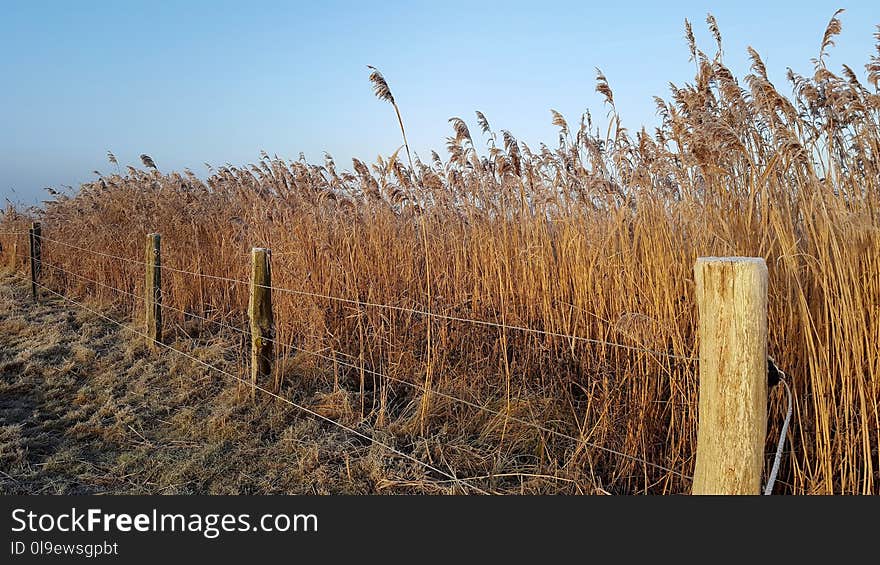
(86, 409)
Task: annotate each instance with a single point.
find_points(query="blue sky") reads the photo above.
(189, 82)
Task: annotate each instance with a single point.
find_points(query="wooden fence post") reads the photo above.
(36, 256)
(261, 317)
(11, 253)
(731, 297)
(153, 290)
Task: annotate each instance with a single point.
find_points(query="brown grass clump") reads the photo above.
(594, 236)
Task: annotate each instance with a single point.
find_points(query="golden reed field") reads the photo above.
(593, 235)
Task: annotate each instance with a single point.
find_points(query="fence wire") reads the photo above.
(577, 440)
(452, 477)
(417, 311)
(335, 359)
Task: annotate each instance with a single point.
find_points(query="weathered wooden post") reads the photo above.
(261, 317)
(36, 255)
(9, 253)
(153, 290)
(13, 257)
(731, 295)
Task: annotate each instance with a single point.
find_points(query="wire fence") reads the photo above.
(580, 441)
(332, 355)
(268, 392)
(411, 310)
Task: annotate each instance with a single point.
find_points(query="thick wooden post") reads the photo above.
(260, 312)
(36, 255)
(11, 252)
(153, 290)
(731, 297)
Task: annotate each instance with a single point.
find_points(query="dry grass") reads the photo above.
(85, 410)
(594, 237)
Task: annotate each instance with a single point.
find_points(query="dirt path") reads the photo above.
(86, 409)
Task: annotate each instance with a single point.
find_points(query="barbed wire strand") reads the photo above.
(87, 279)
(270, 393)
(142, 299)
(100, 253)
(418, 311)
(435, 315)
(288, 347)
(417, 386)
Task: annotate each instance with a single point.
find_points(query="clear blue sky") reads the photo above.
(189, 82)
